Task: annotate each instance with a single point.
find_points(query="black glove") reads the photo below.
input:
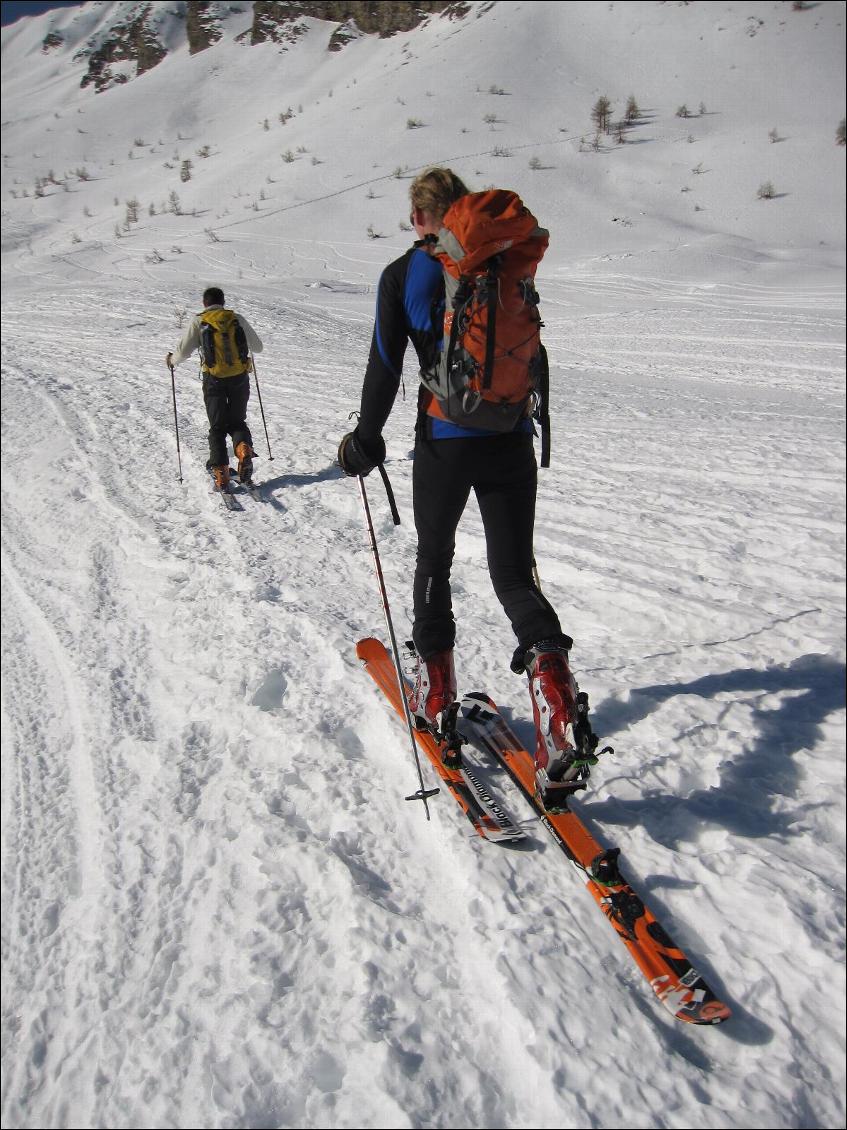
(357, 457)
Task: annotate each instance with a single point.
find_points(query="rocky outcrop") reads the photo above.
(383, 17)
(134, 42)
(52, 40)
(201, 26)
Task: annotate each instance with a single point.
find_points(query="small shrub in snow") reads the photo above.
(766, 191)
(413, 123)
(840, 133)
(185, 170)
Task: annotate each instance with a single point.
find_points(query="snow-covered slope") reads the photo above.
(218, 909)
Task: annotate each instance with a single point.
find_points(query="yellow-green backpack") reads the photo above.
(223, 344)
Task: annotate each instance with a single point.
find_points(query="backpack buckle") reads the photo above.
(471, 401)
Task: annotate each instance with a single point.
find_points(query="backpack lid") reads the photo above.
(480, 225)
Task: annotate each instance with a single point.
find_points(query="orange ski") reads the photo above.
(671, 975)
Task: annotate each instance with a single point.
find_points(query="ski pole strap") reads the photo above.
(544, 407)
(395, 514)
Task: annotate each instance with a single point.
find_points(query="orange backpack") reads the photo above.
(492, 368)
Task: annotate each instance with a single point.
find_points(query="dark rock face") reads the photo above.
(51, 40)
(384, 17)
(201, 27)
(135, 41)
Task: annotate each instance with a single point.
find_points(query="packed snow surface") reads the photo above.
(219, 911)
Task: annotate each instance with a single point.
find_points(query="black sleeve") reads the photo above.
(388, 348)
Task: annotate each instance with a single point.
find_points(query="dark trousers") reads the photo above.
(226, 406)
(502, 472)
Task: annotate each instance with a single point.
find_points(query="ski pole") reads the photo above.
(422, 793)
(261, 406)
(176, 425)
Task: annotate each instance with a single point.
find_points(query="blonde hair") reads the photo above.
(435, 190)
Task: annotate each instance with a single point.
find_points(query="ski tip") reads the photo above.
(477, 698)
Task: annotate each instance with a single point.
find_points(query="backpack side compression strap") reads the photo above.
(490, 327)
(544, 407)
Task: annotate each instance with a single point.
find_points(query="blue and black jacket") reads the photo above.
(409, 307)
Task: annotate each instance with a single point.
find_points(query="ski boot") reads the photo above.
(221, 475)
(565, 744)
(244, 454)
(433, 702)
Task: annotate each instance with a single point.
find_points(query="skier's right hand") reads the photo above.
(357, 458)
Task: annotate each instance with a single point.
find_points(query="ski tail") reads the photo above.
(488, 816)
(672, 977)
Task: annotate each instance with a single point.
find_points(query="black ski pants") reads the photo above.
(502, 472)
(226, 406)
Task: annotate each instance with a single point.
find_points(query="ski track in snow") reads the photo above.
(220, 911)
